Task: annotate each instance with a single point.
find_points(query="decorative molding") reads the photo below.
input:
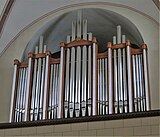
(151, 113)
(5, 14)
(157, 3)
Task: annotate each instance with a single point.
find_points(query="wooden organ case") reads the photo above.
(81, 82)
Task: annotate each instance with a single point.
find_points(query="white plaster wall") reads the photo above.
(147, 28)
(25, 11)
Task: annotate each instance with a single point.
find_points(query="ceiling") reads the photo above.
(25, 12)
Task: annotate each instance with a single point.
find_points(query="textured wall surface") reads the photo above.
(148, 126)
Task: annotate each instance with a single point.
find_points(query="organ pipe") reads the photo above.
(110, 90)
(14, 92)
(129, 77)
(145, 64)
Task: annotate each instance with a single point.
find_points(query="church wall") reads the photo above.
(148, 126)
(147, 28)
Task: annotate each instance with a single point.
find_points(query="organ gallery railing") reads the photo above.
(82, 82)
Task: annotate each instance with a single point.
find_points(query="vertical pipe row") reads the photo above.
(28, 91)
(116, 102)
(22, 94)
(46, 86)
(89, 101)
(61, 83)
(146, 82)
(103, 88)
(129, 77)
(72, 74)
(120, 90)
(84, 70)
(42, 85)
(67, 80)
(78, 82)
(110, 86)
(14, 91)
(94, 93)
(140, 82)
(50, 107)
(34, 87)
(55, 91)
(135, 85)
(106, 85)
(124, 76)
(100, 88)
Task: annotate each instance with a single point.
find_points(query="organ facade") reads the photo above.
(82, 81)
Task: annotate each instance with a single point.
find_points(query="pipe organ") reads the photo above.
(81, 82)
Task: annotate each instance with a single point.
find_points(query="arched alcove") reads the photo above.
(102, 23)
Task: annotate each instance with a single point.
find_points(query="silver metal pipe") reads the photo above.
(134, 82)
(85, 29)
(89, 101)
(72, 75)
(94, 95)
(123, 38)
(142, 83)
(99, 86)
(120, 90)
(45, 87)
(21, 94)
(84, 70)
(67, 82)
(129, 78)
(103, 90)
(138, 82)
(59, 113)
(28, 88)
(110, 88)
(55, 91)
(68, 38)
(41, 44)
(115, 82)
(125, 81)
(50, 94)
(84, 79)
(90, 36)
(114, 40)
(72, 82)
(38, 85)
(13, 91)
(78, 82)
(18, 96)
(79, 20)
(37, 96)
(118, 34)
(106, 83)
(73, 30)
(24, 97)
(34, 87)
(42, 85)
(115, 77)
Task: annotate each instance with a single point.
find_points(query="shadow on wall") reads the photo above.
(102, 23)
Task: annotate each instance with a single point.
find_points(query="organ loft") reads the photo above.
(80, 81)
(79, 68)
